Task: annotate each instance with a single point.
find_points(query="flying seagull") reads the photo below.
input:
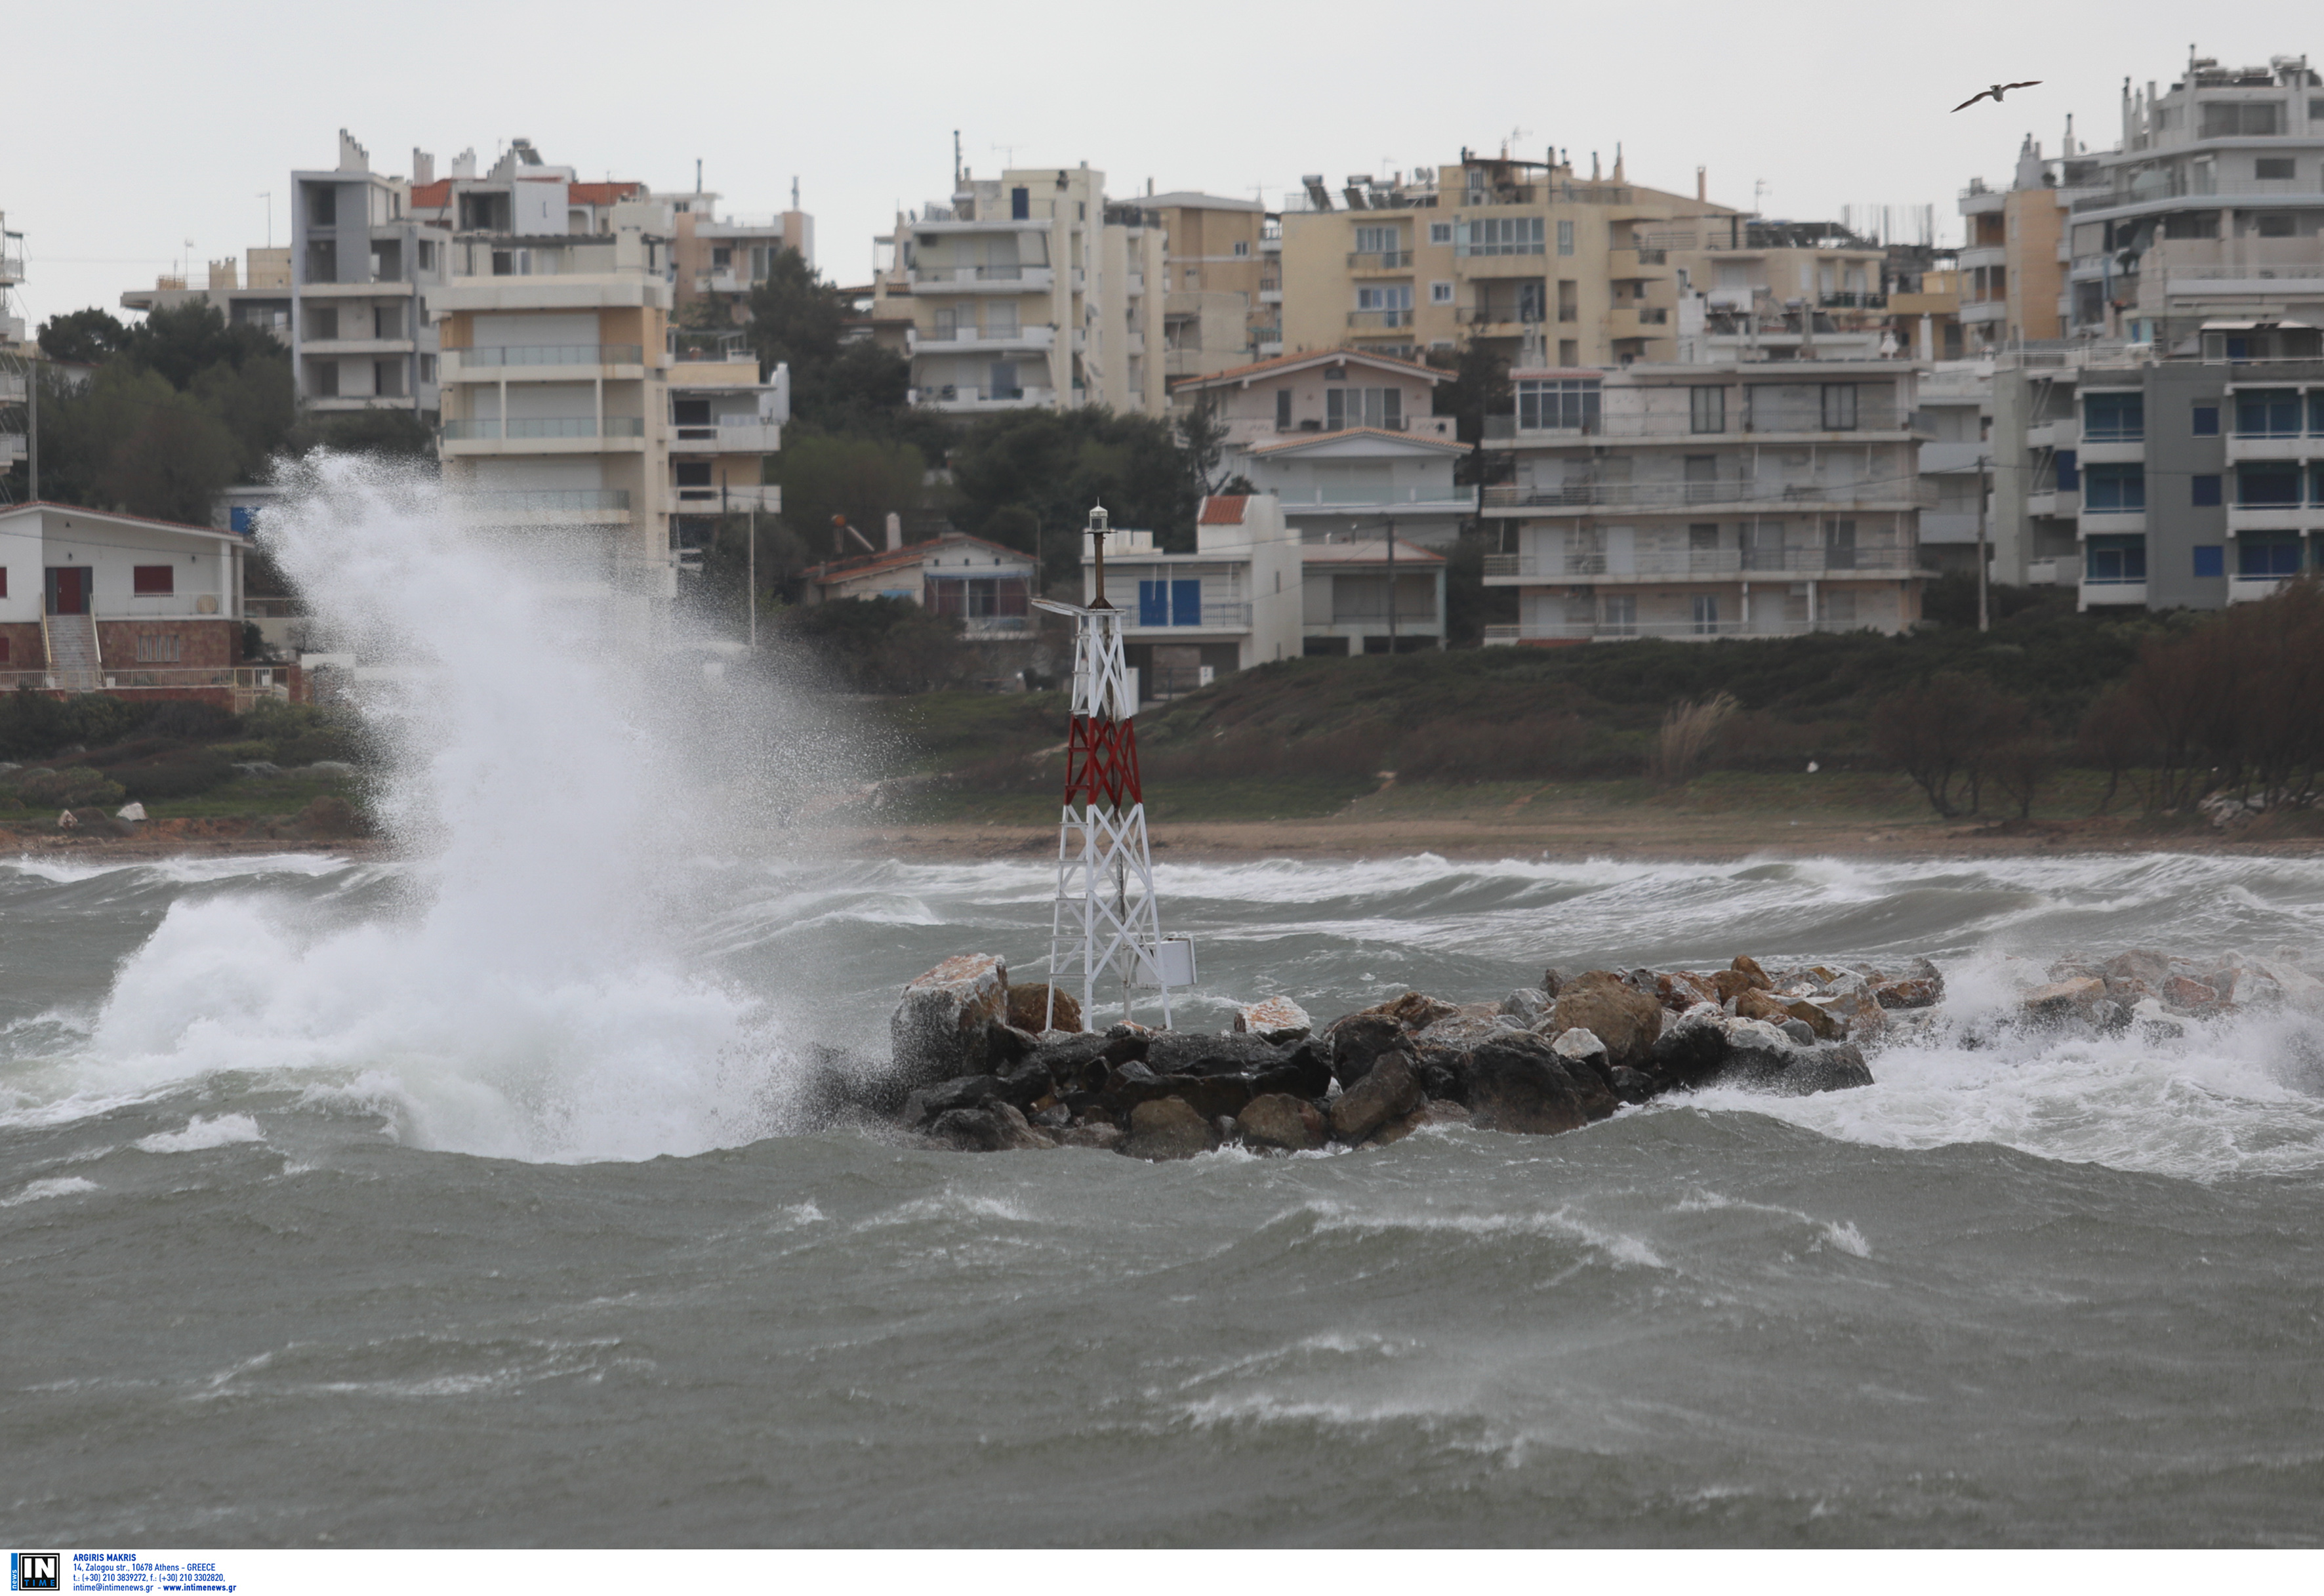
(1994, 93)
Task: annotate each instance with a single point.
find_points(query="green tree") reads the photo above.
(1053, 466)
(796, 318)
(861, 478)
(398, 434)
(1480, 388)
(83, 338)
(185, 341)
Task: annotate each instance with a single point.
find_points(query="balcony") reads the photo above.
(2265, 517)
(544, 506)
(1984, 255)
(1853, 300)
(999, 279)
(543, 435)
(1900, 494)
(493, 364)
(1218, 615)
(1614, 631)
(1625, 266)
(1638, 321)
(959, 399)
(1038, 336)
(1375, 321)
(1371, 263)
(1863, 558)
(2104, 592)
(1758, 423)
(1978, 312)
(741, 435)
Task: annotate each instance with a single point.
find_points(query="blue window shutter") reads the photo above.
(2068, 477)
(2211, 559)
(2206, 420)
(2206, 492)
(1186, 603)
(1154, 603)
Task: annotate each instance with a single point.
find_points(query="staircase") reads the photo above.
(74, 665)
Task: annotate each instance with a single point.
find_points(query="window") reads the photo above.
(1707, 409)
(1839, 607)
(2265, 484)
(2273, 167)
(1502, 236)
(2191, 224)
(3, 650)
(1391, 301)
(1283, 409)
(2207, 422)
(1364, 407)
(2115, 559)
(2267, 556)
(1565, 238)
(1170, 603)
(1380, 241)
(724, 255)
(2267, 412)
(159, 651)
(1706, 613)
(1622, 614)
(2275, 224)
(2316, 411)
(2203, 490)
(428, 255)
(1840, 545)
(1440, 232)
(1839, 407)
(153, 581)
(1563, 404)
(1440, 293)
(2119, 489)
(2114, 417)
(428, 368)
(1021, 204)
(2242, 119)
(2069, 478)
(1242, 246)
(2210, 561)
(3, 577)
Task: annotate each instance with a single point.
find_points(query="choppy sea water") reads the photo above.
(337, 1203)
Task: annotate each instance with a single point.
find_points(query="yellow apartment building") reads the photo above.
(1223, 289)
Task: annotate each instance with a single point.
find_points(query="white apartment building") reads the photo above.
(722, 258)
(1029, 290)
(1235, 602)
(1370, 594)
(362, 266)
(1956, 414)
(261, 299)
(1751, 499)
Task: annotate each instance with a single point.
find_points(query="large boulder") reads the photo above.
(1414, 1010)
(1519, 1084)
(1358, 1040)
(1168, 1128)
(1274, 1020)
(938, 1029)
(1625, 1019)
(1040, 1007)
(993, 1127)
(1690, 1050)
(1388, 1091)
(1527, 1006)
(2060, 1000)
(1197, 1053)
(1283, 1122)
(1215, 1075)
(1761, 1059)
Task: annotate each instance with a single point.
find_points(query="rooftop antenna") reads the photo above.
(1106, 917)
(956, 158)
(794, 193)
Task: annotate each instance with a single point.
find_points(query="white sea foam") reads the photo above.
(61, 1186)
(200, 1134)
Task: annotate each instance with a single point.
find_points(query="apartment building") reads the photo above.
(2208, 210)
(1716, 500)
(2015, 254)
(1235, 602)
(1955, 418)
(16, 353)
(559, 399)
(1369, 595)
(363, 263)
(722, 258)
(2189, 483)
(261, 299)
(1029, 290)
(1224, 290)
(724, 425)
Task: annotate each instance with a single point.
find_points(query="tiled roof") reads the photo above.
(436, 195)
(143, 521)
(1309, 439)
(1372, 553)
(864, 565)
(1317, 357)
(1223, 510)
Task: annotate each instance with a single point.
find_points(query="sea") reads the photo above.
(462, 1194)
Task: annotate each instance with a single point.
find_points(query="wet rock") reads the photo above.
(930, 1103)
(1691, 1049)
(1359, 1039)
(938, 1029)
(1030, 1008)
(1581, 1048)
(1631, 1086)
(1798, 1031)
(1681, 989)
(1525, 1006)
(1774, 1064)
(1168, 1128)
(1751, 1003)
(1857, 1008)
(1388, 1091)
(2181, 992)
(1731, 984)
(1749, 967)
(2059, 999)
(1080, 1062)
(1519, 1084)
(1274, 1020)
(993, 1127)
(1005, 1045)
(1414, 1010)
(1282, 1121)
(1921, 987)
(1094, 1133)
(1821, 1026)
(1466, 1031)
(1625, 1019)
(1196, 1053)
(1437, 1112)
(1553, 981)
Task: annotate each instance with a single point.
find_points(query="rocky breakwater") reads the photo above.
(971, 1072)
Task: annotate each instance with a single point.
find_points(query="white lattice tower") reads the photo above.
(1105, 919)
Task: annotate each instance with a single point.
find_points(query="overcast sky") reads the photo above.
(152, 126)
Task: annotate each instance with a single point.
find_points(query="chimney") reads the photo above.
(895, 530)
(423, 167)
(352, 157)
(1702, 185)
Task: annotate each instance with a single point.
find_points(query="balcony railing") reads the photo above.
(542, 426)
(531, 500)
(1882, 556)
(1495, 315)
(1678, 495)
(1683, 631)
(1764, 421)
(523, 354)
(1362, 320)
(1854, 301)
(1379, 259)
(1220, 615)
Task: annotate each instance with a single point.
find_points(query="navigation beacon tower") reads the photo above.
(1106, 917)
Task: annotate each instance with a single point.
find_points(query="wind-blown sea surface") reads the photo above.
(406, 1204)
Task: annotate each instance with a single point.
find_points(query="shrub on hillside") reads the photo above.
(190, 722)
(183, 777)
(71, 787)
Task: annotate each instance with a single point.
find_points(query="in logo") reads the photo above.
(35, 1571)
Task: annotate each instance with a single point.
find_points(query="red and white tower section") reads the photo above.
(1106, 921)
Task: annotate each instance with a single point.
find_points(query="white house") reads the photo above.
(1361, 480)
(1233, 603)
(987, 585)
(1367, 595)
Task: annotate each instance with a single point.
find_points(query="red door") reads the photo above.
(69, 590)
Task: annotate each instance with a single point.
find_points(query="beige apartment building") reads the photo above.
(566, 412)
(1750, 499)
(1224, 289)
(2015, 256)
(722, 258)
(1029, 290)
(1494, 250)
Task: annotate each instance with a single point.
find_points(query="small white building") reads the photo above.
(988, 586)
(1362, 481)
(1370, 595)
(1234, 602)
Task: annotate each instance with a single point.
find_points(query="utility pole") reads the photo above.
(1984, 482)
(750, 578)
(32, 460)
